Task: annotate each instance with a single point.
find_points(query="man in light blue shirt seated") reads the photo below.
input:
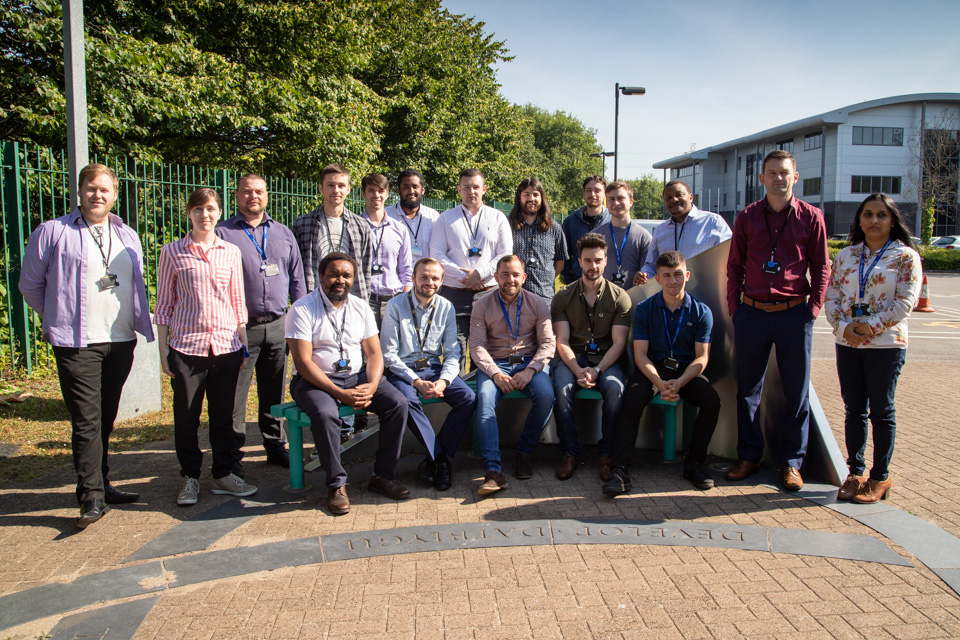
(422, 357)
(688, 230)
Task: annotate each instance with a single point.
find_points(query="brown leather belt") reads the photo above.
(773, 305)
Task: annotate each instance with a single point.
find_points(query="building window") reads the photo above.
(811, 186)
(812, 141)
(878, 136)
(683, 172)
(739, 162)
(724, 200)
(739, 197)
(871, 184)
(786, 145)
(724, 165)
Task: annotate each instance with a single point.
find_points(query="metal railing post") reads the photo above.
(19, 312)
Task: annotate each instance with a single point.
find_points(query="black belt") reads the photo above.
(384, 297)
(264, 319)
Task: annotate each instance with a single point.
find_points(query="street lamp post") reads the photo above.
(627, 91)
(603, 155)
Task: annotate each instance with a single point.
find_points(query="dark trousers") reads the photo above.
(462, 301)
(215, 377)
(638, 394)
(378, 304)
(388, 404)
(868, 379)
(458, 395)
(91, 380)
(268, 358)
(756, 332)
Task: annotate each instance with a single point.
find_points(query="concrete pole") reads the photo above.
(74, 66)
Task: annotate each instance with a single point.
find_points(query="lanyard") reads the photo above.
(619, 252)
(409, 228)
(774, 238)
(677, 239)
(666, 328)
(514, 334)
(98, 240)
(865, 276)
(529, 233)
(416, 325)
(474, 230)
(381, 228)
(343, 232)
(328, 313)
(261, 250)
(590, 313)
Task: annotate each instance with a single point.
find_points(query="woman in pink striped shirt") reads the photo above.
(201, 320)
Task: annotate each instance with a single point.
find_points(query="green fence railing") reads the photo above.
(151, 200)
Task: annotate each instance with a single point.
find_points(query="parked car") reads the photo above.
(947, 242)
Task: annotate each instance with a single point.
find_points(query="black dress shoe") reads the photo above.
(443, 473)
(279, 457)
(90, 512)
(426, 470)
(115, 496)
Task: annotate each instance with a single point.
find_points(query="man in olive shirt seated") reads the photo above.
(591, 317)
(511, 342)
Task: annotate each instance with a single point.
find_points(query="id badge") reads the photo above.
(515, 359)
(417, 251)
(860, 310)
(108, 281)
(532, 261)
(619, 278)
(270, 269)
(671, 364)
(343, 364)
(474, 252)
(593, 349)
(421, 364)
(771, 266)
(377, 269)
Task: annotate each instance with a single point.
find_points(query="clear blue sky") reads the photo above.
(715, 71)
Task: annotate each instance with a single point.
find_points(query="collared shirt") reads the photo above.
(200, 296)
(55, 265)
(420, 228)
(575, 226)
(311, 235)
(611, 308)
(391, 250)
(453, 237)
(648, 324)
(802, 246)
(546, 246)
(634, 252)
(891, 292)
(401, 346)
(313, 318)
(699, 231)
(110, 312)
(266, 295)
(490, 338)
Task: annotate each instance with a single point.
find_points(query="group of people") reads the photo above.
(380, 310)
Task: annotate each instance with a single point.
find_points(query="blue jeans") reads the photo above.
(540, 392)
(868, 378)
(610, 385)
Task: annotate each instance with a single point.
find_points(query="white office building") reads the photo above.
(842, 156)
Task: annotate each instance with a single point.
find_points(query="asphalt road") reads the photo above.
(933, 336)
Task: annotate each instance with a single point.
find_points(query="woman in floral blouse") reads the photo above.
(873, 287)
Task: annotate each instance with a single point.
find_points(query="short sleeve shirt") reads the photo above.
(655, 323)
(314, 318)
(611, 308)
(545, 247)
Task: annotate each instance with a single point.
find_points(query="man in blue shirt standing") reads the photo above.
(584, 220)
(420, 327)
(671, 346)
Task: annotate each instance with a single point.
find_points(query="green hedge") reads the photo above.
(933, 259)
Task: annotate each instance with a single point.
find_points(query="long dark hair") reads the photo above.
(544, 217)
(898, 231)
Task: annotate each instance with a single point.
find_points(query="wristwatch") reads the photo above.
(596, 367)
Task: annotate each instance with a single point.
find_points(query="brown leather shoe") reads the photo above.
(742, 469)
(493, 481)
(568, 466)
(390, 488)
(524, 469)
(337, 501)
(850, 487)
(873, 491)
(606, 465)
(791, 479)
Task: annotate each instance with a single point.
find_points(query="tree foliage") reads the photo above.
(647, 197)
(936, 166)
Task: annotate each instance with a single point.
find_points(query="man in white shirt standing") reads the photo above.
(468, 240)
(417, 217)
(689, 230)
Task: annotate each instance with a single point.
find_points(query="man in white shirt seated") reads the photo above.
(330, 333)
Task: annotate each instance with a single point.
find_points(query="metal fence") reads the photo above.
(151, 200)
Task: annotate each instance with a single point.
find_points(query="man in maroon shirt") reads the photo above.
(776, 242)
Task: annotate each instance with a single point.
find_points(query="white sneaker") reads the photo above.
(189, 491)
(233, 485)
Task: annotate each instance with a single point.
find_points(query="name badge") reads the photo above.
(343, 364)
(532, 261)
(270, 269)
(474, 252)
(515, 359)
(421, 364)
(771, 266)
(108, 281)
(417, 251)
(377, 269)
(619, 278)
(671, 364)
(860, 310)
(593, 349)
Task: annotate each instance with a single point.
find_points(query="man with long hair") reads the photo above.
(537, 239)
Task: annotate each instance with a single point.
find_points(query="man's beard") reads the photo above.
(338, 297)
(411, 204)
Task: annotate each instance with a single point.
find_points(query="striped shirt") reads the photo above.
(200, 296)
(310, 231)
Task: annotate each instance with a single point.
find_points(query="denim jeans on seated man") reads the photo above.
(610, 385)
(540, 391)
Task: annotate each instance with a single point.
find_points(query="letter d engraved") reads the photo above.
(366, 541)
(732, 535)
(538, 532)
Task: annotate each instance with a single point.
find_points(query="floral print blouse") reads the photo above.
(891, 293)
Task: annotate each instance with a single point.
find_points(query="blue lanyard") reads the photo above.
(666, 328)
(619, 252)
(876, 259)
(515, 335)
(261, 250)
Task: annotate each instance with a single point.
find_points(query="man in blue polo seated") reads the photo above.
(422, 357)
(671, 346)
(333, 339)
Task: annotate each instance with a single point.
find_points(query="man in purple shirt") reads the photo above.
(272, 279)
(82, 273)
(392, 271)
(776, 242)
